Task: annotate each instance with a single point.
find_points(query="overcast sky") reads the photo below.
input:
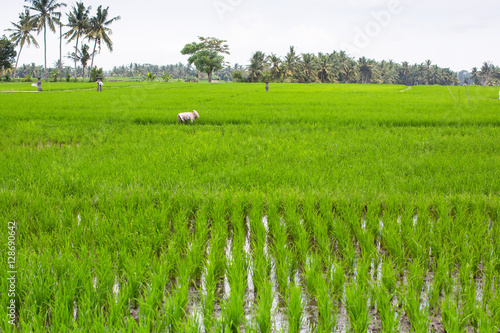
(456, 34)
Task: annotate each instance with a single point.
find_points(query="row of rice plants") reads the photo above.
(153, 266)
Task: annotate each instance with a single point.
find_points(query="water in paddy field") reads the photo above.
(229, 258)
(342, 322)
(75, 311)
(276, 314)
(116, 289)
(266, 226)
(250, 298)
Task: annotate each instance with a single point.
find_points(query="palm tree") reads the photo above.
(275, 70)
(291, 60)
(46, 15)
(366, 69)
(485, 72)
(79, 22)
(82, 55)
(326, 69)
(99, 30)
(474, 75)
(257, 66)
(308, 68)
(22, 34)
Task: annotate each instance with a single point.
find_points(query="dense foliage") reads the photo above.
(7, 54)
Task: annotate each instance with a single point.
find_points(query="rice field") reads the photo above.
(310, 208)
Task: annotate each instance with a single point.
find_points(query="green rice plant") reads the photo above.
(453, 318)
(327, 306)
(346, 249)
(418, 313)
(191, 326)
(366, 241)
(416, 274)
(389, 315)
(388, 278)
(392, 241)
(302, 245)
(197, 256)
(263, 308)
(233, 309)
(261, 267)
(357, 304)
(135, 275)
(337, 277)
(284, 269)
(323, 241)
(312, 271)
(209, 297)
(295, 307)
(175, 307)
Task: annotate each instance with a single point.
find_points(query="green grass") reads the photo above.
(107, 190)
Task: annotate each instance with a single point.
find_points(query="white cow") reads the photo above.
(185, 116)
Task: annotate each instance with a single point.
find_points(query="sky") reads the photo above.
(453, 34)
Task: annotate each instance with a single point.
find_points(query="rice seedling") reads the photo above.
(418, 312)
(337, 277)
(357, 297)
(387, 310)
(327, 306)
(295, 307)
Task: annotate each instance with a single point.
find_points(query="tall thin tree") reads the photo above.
(79, 23)
(46, 14)
(21, 34)
(99, 31)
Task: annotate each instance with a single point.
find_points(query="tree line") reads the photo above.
(339, 67)
(207, 56)
(41, 15)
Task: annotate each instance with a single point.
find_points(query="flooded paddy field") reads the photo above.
(311, 208)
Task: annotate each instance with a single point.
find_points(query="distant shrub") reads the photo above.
(190, 79)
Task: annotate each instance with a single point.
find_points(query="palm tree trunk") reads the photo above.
(45, 49)
(15, 68)
(60, 52)
(76, 52)
(92, 63)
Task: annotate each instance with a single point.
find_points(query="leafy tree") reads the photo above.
(54, 74)
(95, 73)
(79, 23)
(7, 54)
(206, 54)
(237, 76)
(21, 34)
(99, 30)
(45, 15)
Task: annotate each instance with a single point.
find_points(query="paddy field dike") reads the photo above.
(309, 208)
